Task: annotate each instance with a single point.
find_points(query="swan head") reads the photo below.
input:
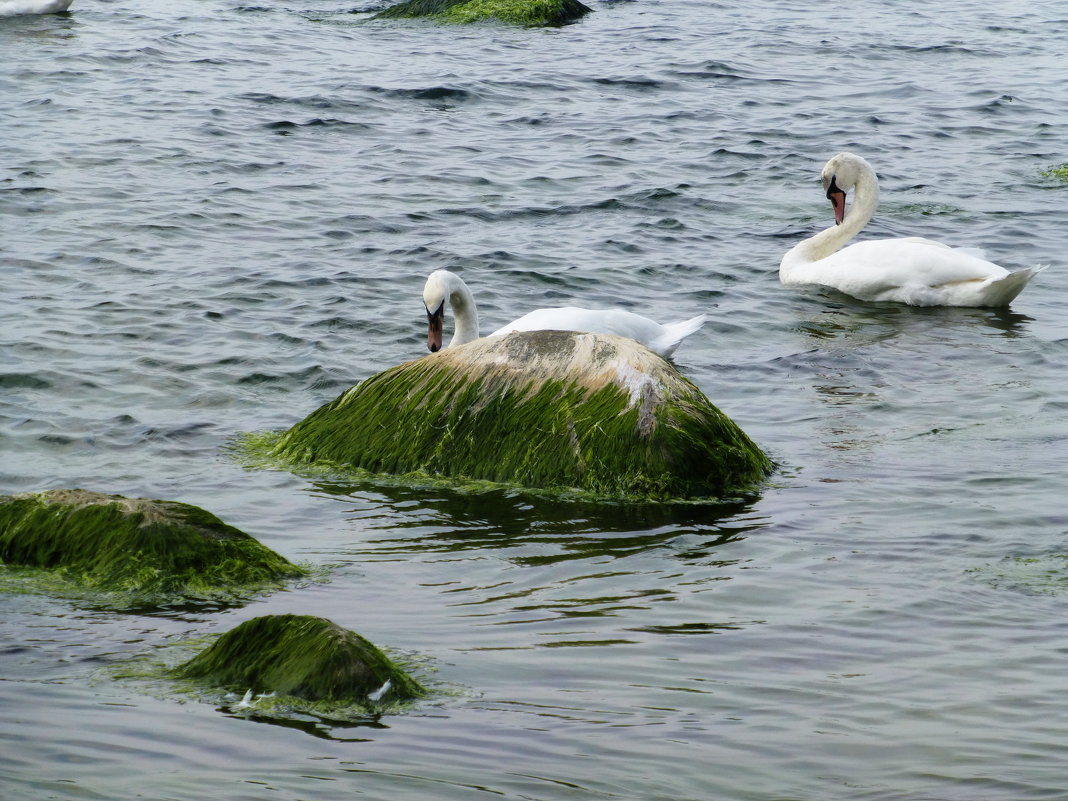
(840, 175)
(441, 288)
(435, 292)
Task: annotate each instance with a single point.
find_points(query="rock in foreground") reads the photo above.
(136, 545)
(543, 409)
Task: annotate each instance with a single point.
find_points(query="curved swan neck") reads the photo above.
(865, 186)
(865, 201)
(463, 307)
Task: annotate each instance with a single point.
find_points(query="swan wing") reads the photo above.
(896, 269)
(979, 253)
(662, 339)
(596, 321)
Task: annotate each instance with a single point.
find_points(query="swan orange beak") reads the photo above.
(838, 201)
(435, 324)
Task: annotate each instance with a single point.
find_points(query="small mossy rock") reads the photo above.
(299, 655)
(528, 13)
(136, 545)
(543, 409)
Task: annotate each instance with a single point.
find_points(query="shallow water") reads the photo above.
(218, 216)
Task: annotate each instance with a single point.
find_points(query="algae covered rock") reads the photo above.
(135, 545)
(542, 409)
(303, 656)
(529, 13)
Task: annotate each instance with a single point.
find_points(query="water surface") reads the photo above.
(218, 216)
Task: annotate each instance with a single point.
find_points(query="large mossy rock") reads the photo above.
(134, 545)
(529, 13)
(302, 656)
(543, 409)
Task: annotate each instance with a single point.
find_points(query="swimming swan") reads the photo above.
(920, 272)
(11, 8)
(445, 287)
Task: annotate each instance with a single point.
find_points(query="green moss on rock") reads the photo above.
(303, 656)
(542, 409)
(134, 545)
(528, 13)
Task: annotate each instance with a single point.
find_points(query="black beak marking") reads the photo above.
(837, 198)
(832, 188)
(435, 325)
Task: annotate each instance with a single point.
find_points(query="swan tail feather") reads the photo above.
(674, 333)
(1003, 291)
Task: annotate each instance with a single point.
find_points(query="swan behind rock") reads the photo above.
(556, 410)
(913, 270)
(444, 287)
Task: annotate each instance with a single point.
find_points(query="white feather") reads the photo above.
(12, 8)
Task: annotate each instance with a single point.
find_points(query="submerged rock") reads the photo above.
(303, 656)
(544, 409)
(529, 13)
(136, 545)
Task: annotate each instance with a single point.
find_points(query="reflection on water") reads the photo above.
(857, 323)
(875, 365)
(532, 529)
(319, 727)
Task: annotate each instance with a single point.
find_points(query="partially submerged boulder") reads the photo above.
(528, 13)
(543, 409)
(303, 656)
(135, 545)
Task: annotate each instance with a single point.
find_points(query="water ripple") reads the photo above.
(218, 217)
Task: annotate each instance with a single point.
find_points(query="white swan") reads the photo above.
(12, 8)
(912, 270)
(445, 287)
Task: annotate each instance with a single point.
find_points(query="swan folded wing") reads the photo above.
(888, 263)
(560, 319)
(598, 321)
(977, 253)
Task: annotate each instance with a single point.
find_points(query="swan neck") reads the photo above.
(864, 204)
(832, 239)
(464, 311)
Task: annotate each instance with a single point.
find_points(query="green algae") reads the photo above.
(1059, 172)
(526, 13)
(549, 409)
(305, 657)
(1041, 575)
(142, 551)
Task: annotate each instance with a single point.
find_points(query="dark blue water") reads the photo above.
(216, 217)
